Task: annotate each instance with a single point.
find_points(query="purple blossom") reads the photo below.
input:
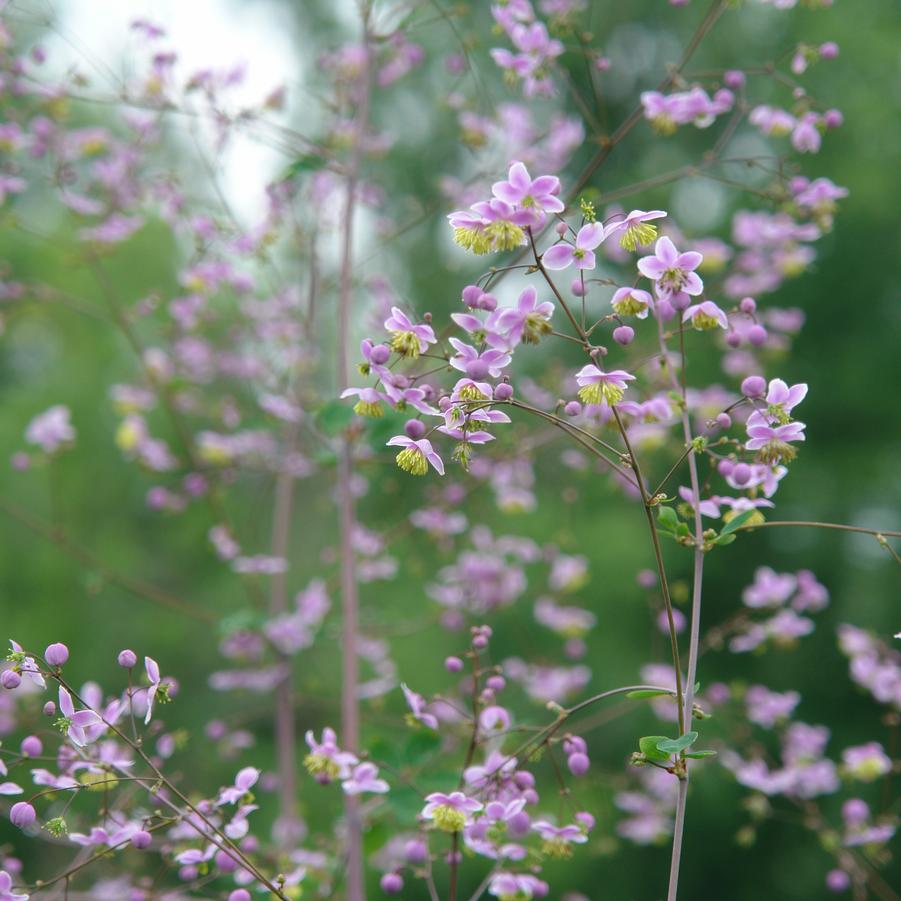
(476, 365)
(416, 455)
(597, 386)
(672, 272)
(364, 778)
(633, 230)
(80, 726)
(527, 322)
(418, 712)
(706, 315)
(450, 813)
(580, 254)
(408, 340)
(520, 189)
(244, 782)
(51, 430)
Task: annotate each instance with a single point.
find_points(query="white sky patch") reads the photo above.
(95, 36)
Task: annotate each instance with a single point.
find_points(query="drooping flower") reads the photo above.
(450, 813)
(597, 386)
(580, 254)
(706, 315)
(773, 443)
(631, 302)
(557, 839)
(476, 365)
(326, 761)
(80, 726)
(408, 340)
(418, 712)
(152, 668)
(364, 778)
(416, 455)
(369, 403)
(634, 230)
(244, 782)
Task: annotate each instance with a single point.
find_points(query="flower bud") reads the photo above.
(757, 335)
(665, 310)
(141, 840)
(725, 467)
(624, 334)
(414, 429)
(22, 814)
(453, 664)
(56, 654)
(838, 881)
(561, 228)
(239, 894)
(49, 709)
(127, 658)
(734, 78)
(748, 305)
(829, 50)
(680, 301)
(573, 408)
(479, 642)
(733, 339)
(519, 824)
(392, 883)
(753, 386)
(488, 302)
(380, 354)
(578, 764)
(741, 474)
(833, 118)
(471, 296)
(855, 812)
(504, 391)
(10, 679)
(31, 746)
(225, 863)
(723, 420)
(577, 288)
(416, 851)
(496, 683)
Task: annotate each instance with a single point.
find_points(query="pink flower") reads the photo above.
(706, 315)
(364, 779)
(408, 340)
(80, 725)
(633, 230)
(563, 255)
(671, 271)
(597, 386)
(521, 190)
(416, 455)
(527, 322)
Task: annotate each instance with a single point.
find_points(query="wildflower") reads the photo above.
(631, 302)
(671, 271)
(477, 365)
(516, 887)
(326, 761)
(773, 444)
(528, 322)
(634, 230)
(866, 762)
(369, 403)
(244, 782)
(80, 726)
(563, 255)
(705, 316)
(452, 812)
(22, 815)
(781, 400)
(521, 190)
(364, 779)
(6, 889)
(417, 706)
(557, 839)
(597, 386)
(408, 340)
(152, 668)
(51, 430)
(416, 455)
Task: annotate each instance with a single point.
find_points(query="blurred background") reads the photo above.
(849, 351)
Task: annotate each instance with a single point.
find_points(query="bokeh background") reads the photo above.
(849, 352)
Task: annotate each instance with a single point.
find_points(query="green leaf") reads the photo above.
(334, 416)
(699, 755)
(677, 745)
(667, 518)
(735, 523)
(648, 693)
(648, 745)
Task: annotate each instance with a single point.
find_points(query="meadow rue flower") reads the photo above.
(866, 762)
(580, 254)
(416, 455)
(521, 190)
(706, 315)
(408, 340)
(476, 365)
(51, 430)
(631, 302)
(527, 323)
(557, 839)
(56, 654)
(244, 782)
(597, 386)
(152, 668)
(417, 705)
(22, 814)
(6, 889)
(326, 761)
(450, 813)
(369, 403)
(516, 887)
(80, 726)
(781, 399)
(672, 272)
(773, 444)
(634, 230)
(364, 778)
